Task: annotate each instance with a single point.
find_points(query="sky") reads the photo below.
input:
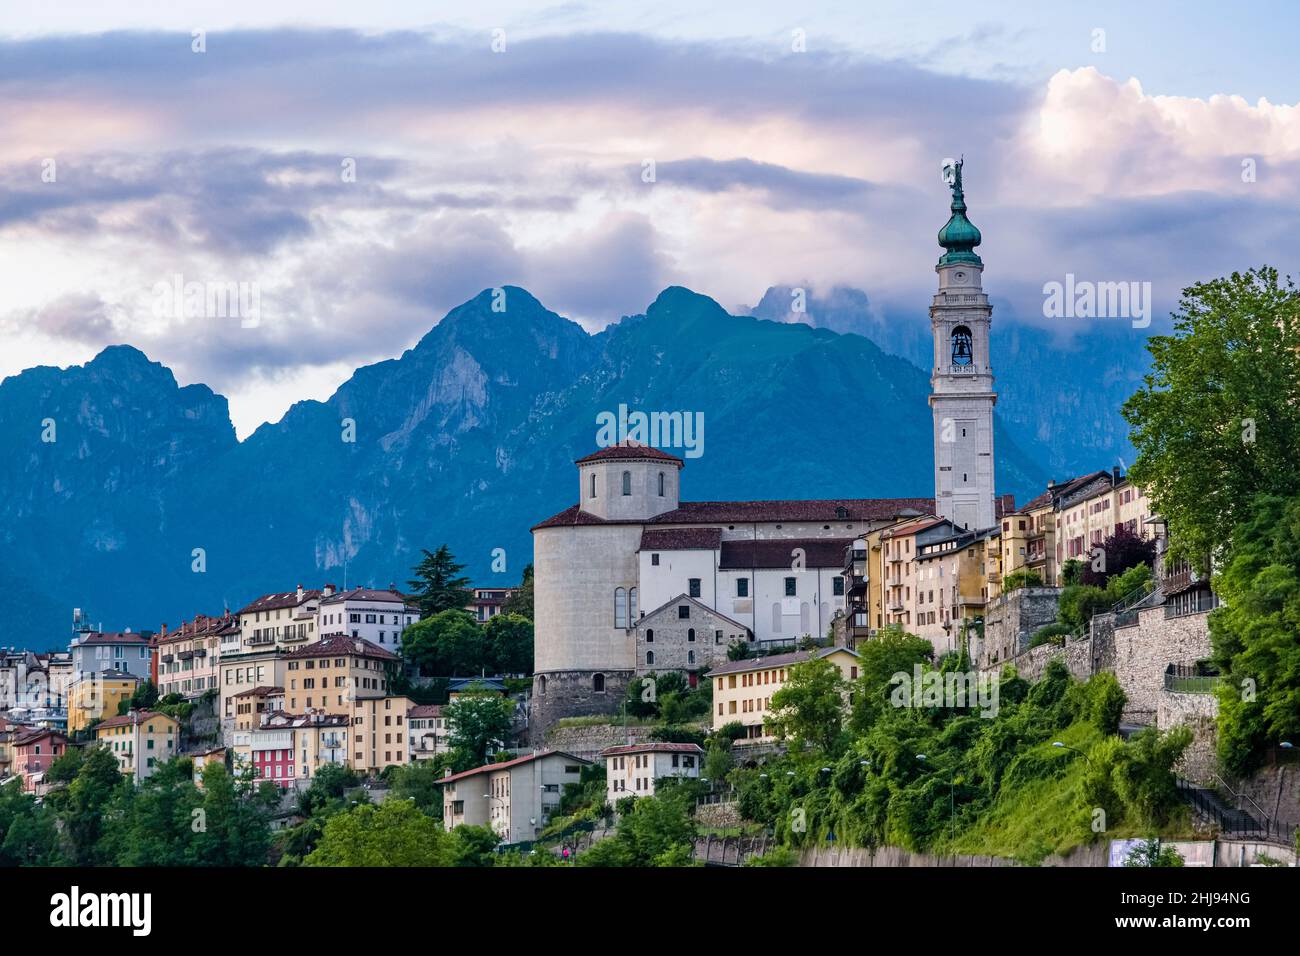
(357, 170)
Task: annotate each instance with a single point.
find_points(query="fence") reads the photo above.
(1190, 679)
(1234, 820)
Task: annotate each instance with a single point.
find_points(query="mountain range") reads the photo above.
(144, 507)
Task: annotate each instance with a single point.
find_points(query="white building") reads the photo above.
(516, 798)
(962, 396)
(375, 616)
(427, 732)
(631, 771)
(763, 571)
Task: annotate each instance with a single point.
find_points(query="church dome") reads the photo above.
(959, 235)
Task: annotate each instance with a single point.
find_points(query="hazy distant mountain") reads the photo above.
(1044, 379)
(467, 438)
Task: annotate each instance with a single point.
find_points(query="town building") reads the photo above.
(771, 572)
(427, 732)
(201, 758)
(269, 627)
(34, 681)
(742, 690)
(632, 771)
(33, 752)
(953, 585)
(515, 798)
(367, 614)
(379, 733)
(97, 695)
(186, 660)
(252, 705)
(94, 652)
(332, 672)
(487, 603)
(140, 740)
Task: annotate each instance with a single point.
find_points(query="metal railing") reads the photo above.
(1190, 679)
(1235, 821)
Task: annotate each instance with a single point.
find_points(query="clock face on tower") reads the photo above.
(961, 277)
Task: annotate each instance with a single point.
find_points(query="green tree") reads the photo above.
(233, 829)
(521, 601)
(1254, 635)
(1152, 853)
(894, 651)
(438, 585)
(394, 833)
(418, 782)
(809, 707)
(82, 805)
(479, 723)
(28, 835)
(144, 696)
(509, 643)
(1217, 421)
(449, 643)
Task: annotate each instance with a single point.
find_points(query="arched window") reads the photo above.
(593, 485)
(690, 635)
(690, 657)
(598, 683)
(627, 483)
(961, 346)
(650, 635)
(649, 658)
(541, 684)
(661, 484)
(631, 607)
(620, 607)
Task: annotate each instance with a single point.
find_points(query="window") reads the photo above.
(690, 635)
(717, 637)
(620, 607)
(631, 605)
(598, 683)
(661, 484)
(650, 635)
(742, 587)
(683, 611)
(961, 346)
(837, 586)
(649, 657)
(654, 560)
(627, 483)
(690, 657)
(789, 587)
(592, 492)
(693, 584)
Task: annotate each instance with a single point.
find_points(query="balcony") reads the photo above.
(167, 658)
(260, 640)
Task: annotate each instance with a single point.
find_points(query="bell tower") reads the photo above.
(961, 384)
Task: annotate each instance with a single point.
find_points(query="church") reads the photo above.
(633, 580)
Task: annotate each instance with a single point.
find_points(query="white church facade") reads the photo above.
(633, 580)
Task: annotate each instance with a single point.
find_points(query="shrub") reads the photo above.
(1055, 633)
(1023, 578)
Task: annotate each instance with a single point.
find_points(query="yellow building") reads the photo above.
(742, 690)
(96, 696)
(331, 673)
(953, 587)
(140, 740)
(379, 733)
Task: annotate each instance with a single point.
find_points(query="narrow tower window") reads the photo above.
(593, 485)
(961, 346)
(661, 484)
(627, 483)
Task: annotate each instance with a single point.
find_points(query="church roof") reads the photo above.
(744, 512)
(629, 452)
(681, 539)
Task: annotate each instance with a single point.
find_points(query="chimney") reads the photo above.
(163, 629)
(1115, 477)
(300, 594)
(327, 590)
